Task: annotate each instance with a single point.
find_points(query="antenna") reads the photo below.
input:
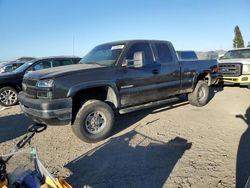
(73, 44)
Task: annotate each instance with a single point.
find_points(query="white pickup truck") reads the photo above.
(235, 67)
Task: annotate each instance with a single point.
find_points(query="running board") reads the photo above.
(148, 105)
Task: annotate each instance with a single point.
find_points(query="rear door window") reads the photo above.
(62, 62)
(43, 64)
(164, 53)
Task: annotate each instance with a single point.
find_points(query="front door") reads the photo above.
(137, 85)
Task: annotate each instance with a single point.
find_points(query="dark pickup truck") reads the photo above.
(119, 77)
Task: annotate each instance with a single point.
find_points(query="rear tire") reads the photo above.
(199, 97)
(94, 121)
(8, 96)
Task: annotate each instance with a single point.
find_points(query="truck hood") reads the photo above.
(243, 61)
(61, 71)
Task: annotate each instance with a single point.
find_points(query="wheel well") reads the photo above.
(103, 93)
(204, 76)
(17, 88)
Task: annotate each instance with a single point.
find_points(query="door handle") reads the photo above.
(155, 71)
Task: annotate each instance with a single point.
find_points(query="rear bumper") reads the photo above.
(54, 112)
(242, 80)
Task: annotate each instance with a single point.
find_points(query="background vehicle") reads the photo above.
(13, 65)
(235, 67)
(119, 77)
(186, 55)
(10, 66)
(11, 83)
(25, 58)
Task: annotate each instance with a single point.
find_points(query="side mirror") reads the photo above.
(139, 58)
(137, 61)
(221, 57)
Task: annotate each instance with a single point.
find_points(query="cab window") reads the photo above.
(141, 47)
(57, 63)
(164, 53)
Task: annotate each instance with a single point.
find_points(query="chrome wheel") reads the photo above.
(95, 122)
(201, 93)
(8, 97)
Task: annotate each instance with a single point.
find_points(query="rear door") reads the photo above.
(170, 80)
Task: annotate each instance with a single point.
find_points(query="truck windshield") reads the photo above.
(106, 54)
(237, 54)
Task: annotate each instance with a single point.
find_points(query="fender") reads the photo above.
(112, 93)
(197, 75)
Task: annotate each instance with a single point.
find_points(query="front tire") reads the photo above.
(199, 97)
(94, 121)
(8, 96)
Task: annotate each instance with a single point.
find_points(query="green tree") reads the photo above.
(248, 44)
(238, 41)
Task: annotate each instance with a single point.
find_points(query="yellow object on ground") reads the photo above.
(45, 186)
(50, 182)
(4, 184)
(60, 183)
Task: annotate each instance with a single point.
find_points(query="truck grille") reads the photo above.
(230, 69)
(29, 88)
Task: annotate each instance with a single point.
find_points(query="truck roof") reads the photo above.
(247, 48)
(134, 41)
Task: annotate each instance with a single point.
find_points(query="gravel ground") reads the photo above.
(172, 146)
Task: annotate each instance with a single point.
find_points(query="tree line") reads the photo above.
(238, 41)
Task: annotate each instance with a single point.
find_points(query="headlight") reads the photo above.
(44, 90)
(246, 69)
(44, 94)
(45, 83)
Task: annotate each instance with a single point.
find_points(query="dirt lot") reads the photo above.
(172, 146)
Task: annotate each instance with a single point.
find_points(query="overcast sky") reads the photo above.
(67, 27)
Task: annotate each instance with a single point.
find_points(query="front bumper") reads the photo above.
(242, 80)
(53, 112)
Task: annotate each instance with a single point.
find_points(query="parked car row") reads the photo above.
(11, 83)
(10, 66)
